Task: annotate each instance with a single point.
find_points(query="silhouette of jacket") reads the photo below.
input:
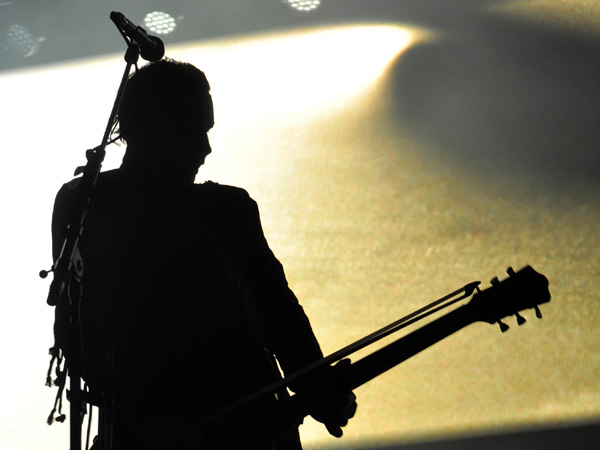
(182, 284)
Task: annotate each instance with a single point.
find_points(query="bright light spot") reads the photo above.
(294, 75)
(21, 41)
(160, 22)
(303, 5)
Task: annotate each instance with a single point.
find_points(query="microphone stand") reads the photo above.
(68, 270)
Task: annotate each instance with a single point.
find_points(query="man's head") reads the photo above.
(164, 116)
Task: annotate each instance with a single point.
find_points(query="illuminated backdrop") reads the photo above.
(393, 161)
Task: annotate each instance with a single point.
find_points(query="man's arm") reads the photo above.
(282, 322)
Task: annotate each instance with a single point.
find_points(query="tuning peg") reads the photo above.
(503, 326)
(510, 271)
(494, 281)
(520, 319)
(538, 313)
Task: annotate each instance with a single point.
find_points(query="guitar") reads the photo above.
(522, 290)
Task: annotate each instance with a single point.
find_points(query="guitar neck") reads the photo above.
(404, 348)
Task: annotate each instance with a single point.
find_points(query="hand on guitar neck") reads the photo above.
(334, 405)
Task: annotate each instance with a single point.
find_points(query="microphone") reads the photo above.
(151, 48)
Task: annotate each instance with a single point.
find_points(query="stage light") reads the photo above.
(160, 22)
(303, 5)
(19, 40)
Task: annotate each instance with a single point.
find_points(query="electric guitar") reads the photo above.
(522, 290)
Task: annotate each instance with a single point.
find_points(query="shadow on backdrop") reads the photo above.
(501, 95)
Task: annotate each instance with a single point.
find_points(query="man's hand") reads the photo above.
(335, 406)
(334, 410)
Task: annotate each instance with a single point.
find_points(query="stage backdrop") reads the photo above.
(393, 163)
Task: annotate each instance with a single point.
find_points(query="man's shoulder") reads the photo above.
(229, 204)
(69, 189)
(222, 191)
(212, 186)
(109, 175)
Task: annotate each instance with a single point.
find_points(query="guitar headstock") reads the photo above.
(525, 289)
